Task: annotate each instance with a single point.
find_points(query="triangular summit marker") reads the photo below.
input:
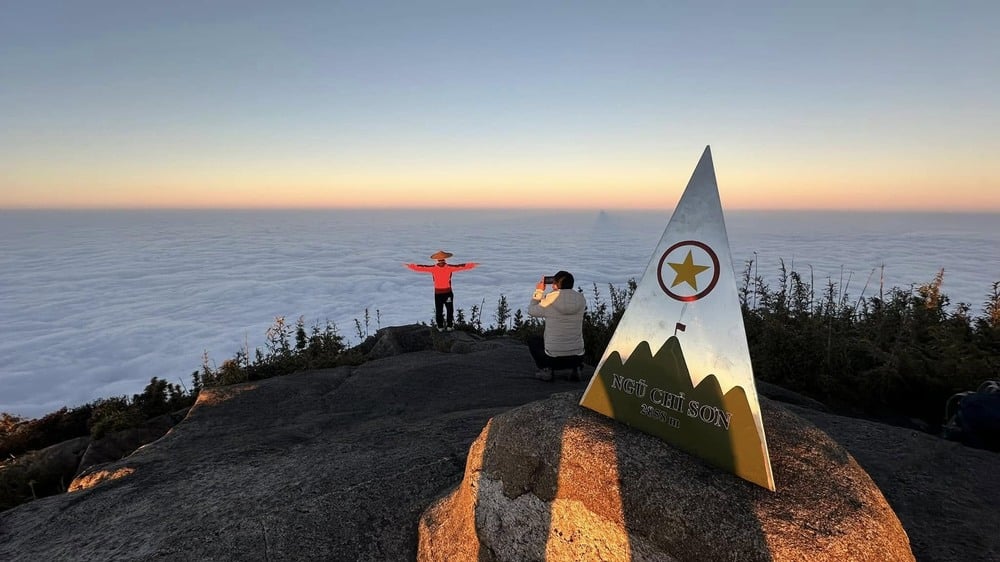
(678, 365)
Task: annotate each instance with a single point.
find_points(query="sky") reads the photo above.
(583, 104)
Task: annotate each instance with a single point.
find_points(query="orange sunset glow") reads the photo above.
(349, 106)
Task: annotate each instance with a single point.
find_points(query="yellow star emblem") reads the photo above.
(687, 272)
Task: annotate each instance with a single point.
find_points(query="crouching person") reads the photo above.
(561, 346)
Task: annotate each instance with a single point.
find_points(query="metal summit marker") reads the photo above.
(678, 365)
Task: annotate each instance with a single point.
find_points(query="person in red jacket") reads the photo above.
(444, 298)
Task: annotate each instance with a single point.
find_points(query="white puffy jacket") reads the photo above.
(563, 313)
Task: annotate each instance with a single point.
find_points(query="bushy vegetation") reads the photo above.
(287, 349)
(18, 435)
(895, 356)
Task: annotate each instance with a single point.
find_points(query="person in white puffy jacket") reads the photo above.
(562, 343)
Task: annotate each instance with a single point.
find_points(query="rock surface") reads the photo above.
(552, 481)
(340, 464)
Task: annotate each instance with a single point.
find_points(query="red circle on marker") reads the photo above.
(711, 284)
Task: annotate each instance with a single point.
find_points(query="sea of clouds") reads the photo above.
(95, 303)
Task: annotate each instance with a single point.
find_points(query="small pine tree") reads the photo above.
(300, 334)
(518, 320)
(196, 383)
(502, 315)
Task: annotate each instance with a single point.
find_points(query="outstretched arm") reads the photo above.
(463, 266)
(418, 267)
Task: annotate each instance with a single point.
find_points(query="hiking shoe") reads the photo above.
(544, 374)
(440, 328)
(450, 328)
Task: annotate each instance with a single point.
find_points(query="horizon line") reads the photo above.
(417, 208)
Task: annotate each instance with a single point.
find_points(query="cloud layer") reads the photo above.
(97, 303)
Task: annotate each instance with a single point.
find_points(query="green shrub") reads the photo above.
(900, 354)
(31, 435)
(113, 414)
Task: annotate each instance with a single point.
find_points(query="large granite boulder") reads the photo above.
(40, 473)
(553, 481)
(117, 444)
(76, 463)
(397, 340)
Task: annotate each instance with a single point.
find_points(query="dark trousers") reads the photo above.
(442, 302)
(536, 346)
